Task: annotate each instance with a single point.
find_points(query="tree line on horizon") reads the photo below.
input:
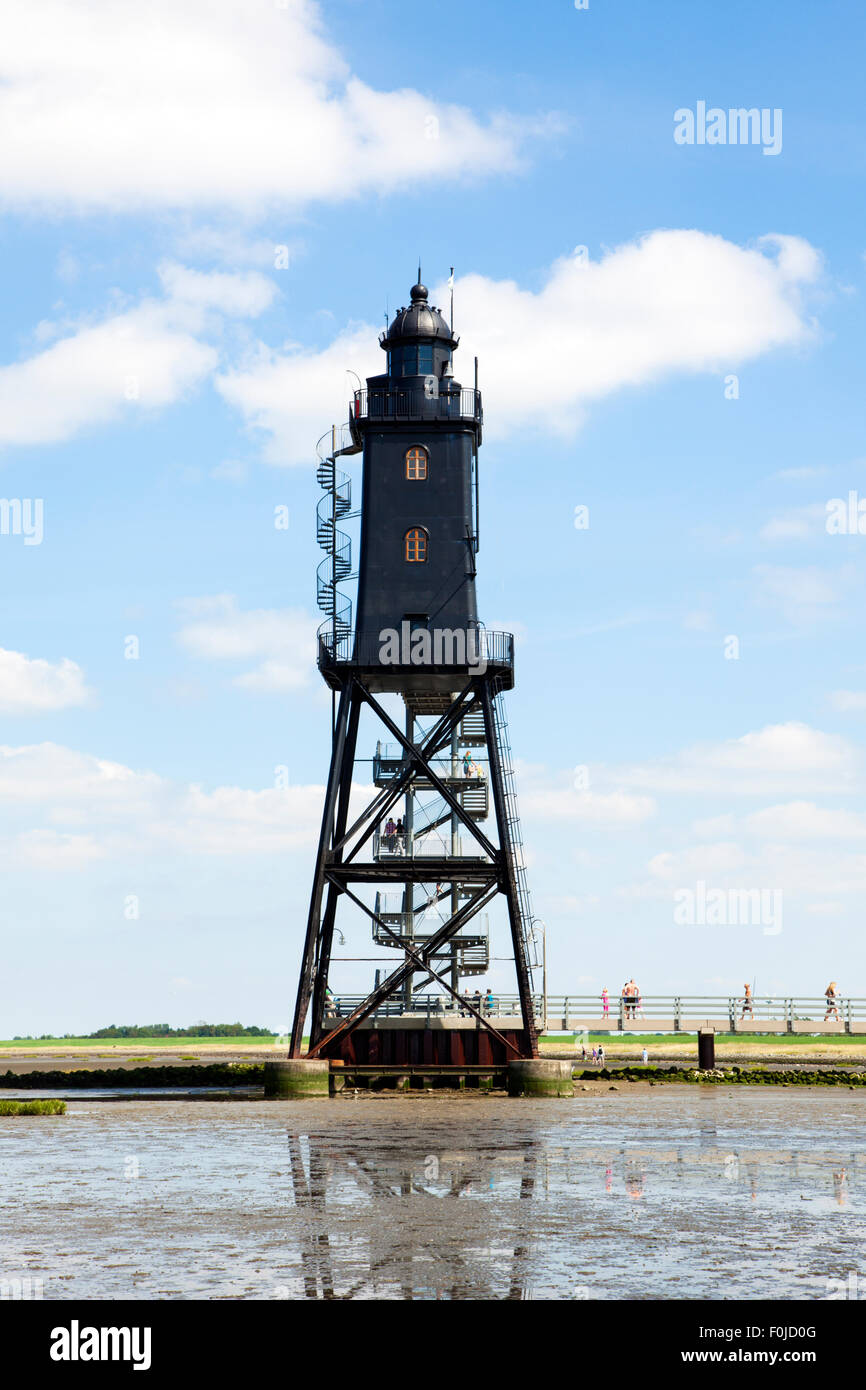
(158, 1030)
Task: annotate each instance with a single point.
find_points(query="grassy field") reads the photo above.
(685, 1045)
(32, 1107)
(131, 1044)
(673, 1046)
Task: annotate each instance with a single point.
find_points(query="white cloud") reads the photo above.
(672, 302)
(63, 779)
(802, 595)
(795, 475)
(546, 795)
(143, 357)
(234, 245)
(50, 850)
(281, 640)
(813, 853)
(238, 820)
(785, 529)
(796, 525)
(242, 295)
(230, 470)
(810, 876)
(294, 396)
(81, 808)
(592, 808)
(700, 861)
(803, 820)
(778, 758)
(33, 686)
(698, 621)
(214, 103)
(131, 360)
(715, 826)
(847, 701)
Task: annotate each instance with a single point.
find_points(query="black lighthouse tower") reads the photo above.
(416, 860)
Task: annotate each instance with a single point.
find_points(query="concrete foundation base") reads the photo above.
(535, 1077)
(297, 1078)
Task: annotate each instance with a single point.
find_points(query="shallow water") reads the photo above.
(682, 1193)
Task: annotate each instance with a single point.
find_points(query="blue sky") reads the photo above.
(163, 383)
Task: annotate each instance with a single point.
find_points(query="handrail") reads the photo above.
(425, 845)
(416, 403)
(366, 648)
(672, 1012)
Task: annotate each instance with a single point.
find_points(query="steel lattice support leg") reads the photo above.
(326, 934)
(497, 786)
(326, 837)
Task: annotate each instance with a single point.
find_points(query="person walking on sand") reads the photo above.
(605, 1002)
(594, 1056)
(747, 1003)
(644, 1056)
(831, 994)
(600, 1055)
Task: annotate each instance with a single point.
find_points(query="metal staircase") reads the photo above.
(474, 959)
(473, 793)
(336, 503)
(471, 732)
(473, 797)
(470, 950)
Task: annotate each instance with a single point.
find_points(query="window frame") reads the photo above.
(416, 478)
(418, 534)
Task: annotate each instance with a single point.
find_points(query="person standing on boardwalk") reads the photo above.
(832, 996)
(638, 1002)
(747, 1003)
(631, 998)
(605, 1002)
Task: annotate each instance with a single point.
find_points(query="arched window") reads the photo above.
(416, 463)
(415, 545)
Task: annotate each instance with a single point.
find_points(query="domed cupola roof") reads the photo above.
(419, 320)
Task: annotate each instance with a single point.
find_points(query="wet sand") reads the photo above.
(678, 1193)
(20, 1060)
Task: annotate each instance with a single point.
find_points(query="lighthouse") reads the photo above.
(438, 839)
